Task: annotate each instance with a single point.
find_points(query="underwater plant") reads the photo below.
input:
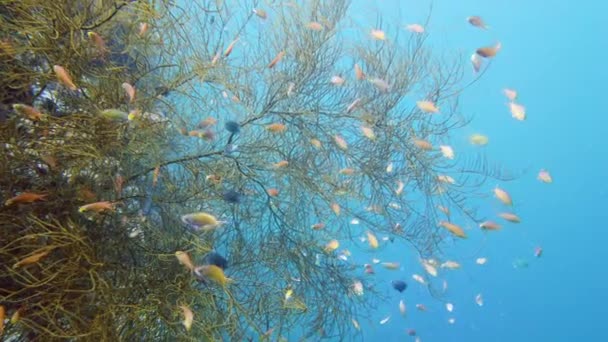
(120, 118)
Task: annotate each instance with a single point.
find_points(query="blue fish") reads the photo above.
(399, 285)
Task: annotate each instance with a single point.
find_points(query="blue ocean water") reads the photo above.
(553, 54)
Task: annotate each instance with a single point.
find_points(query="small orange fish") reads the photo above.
(510, 217)
(510, 94)
(378, 34)
(346, 171)
(316, 143)
(207, 122)
(276, 128)
(155, 175)
(97, 207)
(28, 111)
(503, 196)
(315, 26)
(368, 132)
(130, 90)
(421, 307)
(260, 13)
(34, 258)
(49, 160)
(340, 142)
(2, 316)
(230, 47)
(184, 259)
(423, 144)
(415, 28)
(119, 181)
(477, 21)
(282, 163)
(143, 28)
(25, 197)
(335, 207)
(318, 226)
(489, 51)
(427, 106)
(454, 229)
(391, 265)
(63, 77)
(544, 176)
(359, 75)
(272, 192)
(98, 41)
(276, 60)
(489, 225)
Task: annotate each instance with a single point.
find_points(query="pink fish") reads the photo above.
(538, 252)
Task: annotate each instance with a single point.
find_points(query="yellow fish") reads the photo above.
(212, 272)
(202, 221)
(372, 240)
(478, 139)
(188, 317)
(332, 246)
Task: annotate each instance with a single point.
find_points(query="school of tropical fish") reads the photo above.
(213, 270)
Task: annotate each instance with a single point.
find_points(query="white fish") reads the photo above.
(450, 265)
(389, 168)
(449, 307)
(518, 112)
(451, 320)
(402, 307)
(479, 299)
(337, 80)
(357, 288)
(399, 189)
(476, 61)
(290, 88)
(430, 269)
(385, 320)
(544, 176)
(419, 279)
(481, 261)
(447, 151)
(354, 221)
(381, 84)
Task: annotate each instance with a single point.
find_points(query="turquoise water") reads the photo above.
(553, 54)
